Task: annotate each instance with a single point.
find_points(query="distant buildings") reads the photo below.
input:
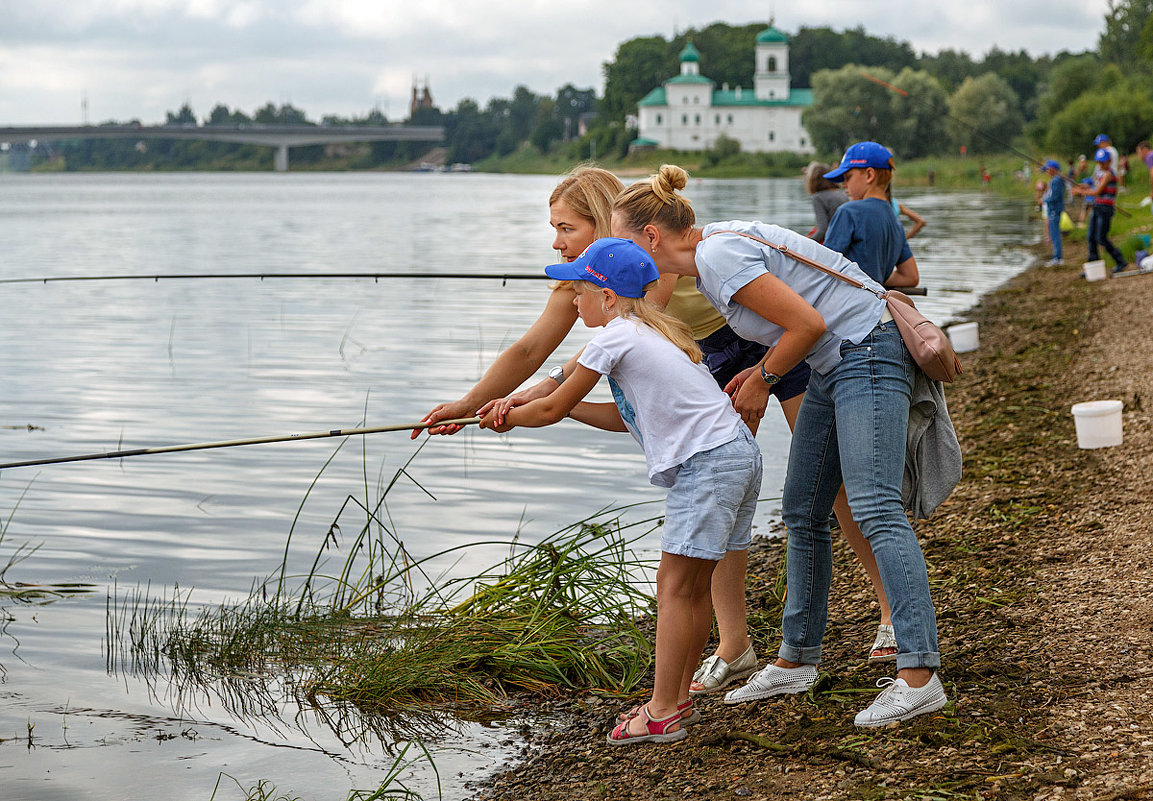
(421, 99)
(688, 112)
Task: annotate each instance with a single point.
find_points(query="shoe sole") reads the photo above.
(883, 658)
(731, 678)
(915, 714)
(760, 695)
(672, 737)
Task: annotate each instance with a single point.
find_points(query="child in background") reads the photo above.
(866, 230)
(694, 442)
(1054, 204)
(1104, 194)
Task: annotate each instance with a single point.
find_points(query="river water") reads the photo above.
(91, 367)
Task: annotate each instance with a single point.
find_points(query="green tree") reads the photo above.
(950, 67)
(985, 114)
(639, 66)
(918, 126)
(1126, 23)
(183, 117)
(1123, 109)
(850, 108)
(814, 49)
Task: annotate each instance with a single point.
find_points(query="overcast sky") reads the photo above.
(137, 59)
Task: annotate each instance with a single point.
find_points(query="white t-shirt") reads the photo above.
(671, 406)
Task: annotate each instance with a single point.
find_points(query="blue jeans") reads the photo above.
(1099, 222)
(851, 428)
(1055, 235)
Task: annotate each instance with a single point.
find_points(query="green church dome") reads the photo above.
(771, 34)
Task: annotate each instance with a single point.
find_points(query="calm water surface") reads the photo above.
(93, 367)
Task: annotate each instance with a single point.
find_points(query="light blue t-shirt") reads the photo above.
(728, 262)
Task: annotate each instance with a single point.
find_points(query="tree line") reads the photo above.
(943, 102)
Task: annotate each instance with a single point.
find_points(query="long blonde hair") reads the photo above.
(657, 319)
(656, 201)
(589, 191)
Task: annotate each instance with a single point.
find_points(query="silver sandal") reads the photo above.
(715, 674)
(885, 639)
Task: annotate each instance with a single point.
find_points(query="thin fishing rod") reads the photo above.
(974, 128)
(201, 446)
(503, 277)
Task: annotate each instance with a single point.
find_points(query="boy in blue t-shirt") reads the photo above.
(1054, 206)
(866, 231)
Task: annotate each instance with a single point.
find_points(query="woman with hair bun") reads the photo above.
(851, 427)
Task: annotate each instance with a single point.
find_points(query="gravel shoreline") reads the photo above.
(1040, 567)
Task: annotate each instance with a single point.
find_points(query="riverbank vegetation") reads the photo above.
(866, 87)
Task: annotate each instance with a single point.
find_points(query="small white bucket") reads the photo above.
(1095, 270)
(1098, 423)
(963, 337)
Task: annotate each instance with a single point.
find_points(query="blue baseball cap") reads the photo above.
(617, 264)
(862, 154)
(1100, 138)
(1103, 155)
(1051, 165)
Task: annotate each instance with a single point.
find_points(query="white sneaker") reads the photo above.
(773, 680)
(898, 701)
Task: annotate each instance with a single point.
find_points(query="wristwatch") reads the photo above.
(557, 374)
(769, 378)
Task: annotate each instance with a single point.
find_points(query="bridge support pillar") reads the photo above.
(280, 160)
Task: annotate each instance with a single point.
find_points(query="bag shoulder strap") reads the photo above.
(784, 250)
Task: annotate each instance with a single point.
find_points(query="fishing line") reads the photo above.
(201, 446)
(1032, 160)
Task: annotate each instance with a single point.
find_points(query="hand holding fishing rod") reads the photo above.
(201, 446)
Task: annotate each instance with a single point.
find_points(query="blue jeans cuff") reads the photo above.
(925, 659)
(802, 656)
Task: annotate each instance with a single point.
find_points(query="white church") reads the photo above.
(688, 112)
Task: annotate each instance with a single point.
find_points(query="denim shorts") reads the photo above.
(710, 506)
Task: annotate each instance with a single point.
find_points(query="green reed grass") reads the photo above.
(563, 613)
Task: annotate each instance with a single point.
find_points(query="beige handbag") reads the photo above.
(927, 343)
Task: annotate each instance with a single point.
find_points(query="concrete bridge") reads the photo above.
(282, 137)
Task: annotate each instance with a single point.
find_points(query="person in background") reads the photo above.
(866, 231)
(1102, 141)
(1054, 203)
(852, 425)
(695, 445)
(1104, 193)
(1145, 153)
(827, 197)
(901, 209)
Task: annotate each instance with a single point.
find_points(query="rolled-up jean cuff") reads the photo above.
(927, 659)
(801, 656)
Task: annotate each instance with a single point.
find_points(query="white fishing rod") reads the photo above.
(201, 446)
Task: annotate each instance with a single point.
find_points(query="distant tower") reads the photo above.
(421, 98)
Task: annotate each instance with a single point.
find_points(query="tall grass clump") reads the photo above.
(377, 633)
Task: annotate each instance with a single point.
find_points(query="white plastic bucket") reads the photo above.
(1098, 423)
(963, 337)
(1095, 270)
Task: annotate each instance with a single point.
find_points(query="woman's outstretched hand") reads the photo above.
(489, 419)
(444, 411)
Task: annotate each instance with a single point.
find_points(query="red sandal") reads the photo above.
(688, 714)
(656, 731)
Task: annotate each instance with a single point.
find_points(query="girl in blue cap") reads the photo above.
(852, 425)
(695, 444)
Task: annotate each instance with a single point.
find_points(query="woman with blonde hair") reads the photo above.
(850, 430)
